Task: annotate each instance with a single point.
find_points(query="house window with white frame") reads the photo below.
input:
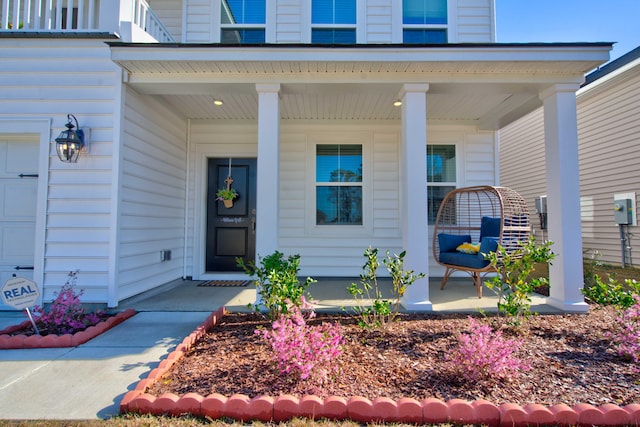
(424, 21)
(441, 176)
(338, 184)
(333, 21)
(242, 21)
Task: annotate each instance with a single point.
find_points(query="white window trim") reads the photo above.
(341, 231)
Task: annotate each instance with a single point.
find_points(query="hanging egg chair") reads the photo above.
(473, 221)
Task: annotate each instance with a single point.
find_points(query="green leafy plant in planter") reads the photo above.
(226, 195)
(276, 279)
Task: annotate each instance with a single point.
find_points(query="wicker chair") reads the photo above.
(473, 221)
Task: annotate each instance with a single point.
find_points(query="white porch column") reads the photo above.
(563, 197)
(268, 169)
(413, 181)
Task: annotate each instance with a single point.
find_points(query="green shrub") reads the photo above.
(611, 292)
(382, 311)
(513, 284)
(277, 283)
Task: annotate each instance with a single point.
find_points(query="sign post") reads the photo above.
(20, 293)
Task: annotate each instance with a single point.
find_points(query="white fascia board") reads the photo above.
(596, 52)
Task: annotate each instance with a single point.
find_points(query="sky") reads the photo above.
(570, 21)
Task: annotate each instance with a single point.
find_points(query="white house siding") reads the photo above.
(50, 78)
(474, 22)
(327, 252)
(152, 194)
(288, 21)
(198, 17)
(170, 14)
(379, 21)
(608, 130)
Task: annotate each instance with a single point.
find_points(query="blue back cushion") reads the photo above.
(449, 242)
(489, 227)
(487, 244)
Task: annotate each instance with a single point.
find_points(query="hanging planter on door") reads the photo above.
(226, 195)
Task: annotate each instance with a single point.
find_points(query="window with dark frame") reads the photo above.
(441, 176)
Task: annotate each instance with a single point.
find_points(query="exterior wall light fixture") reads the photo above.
(70, 142)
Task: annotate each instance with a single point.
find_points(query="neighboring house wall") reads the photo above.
(152, 194)
(609, 141)
(50, 78)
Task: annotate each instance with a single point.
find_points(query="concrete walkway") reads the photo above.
(89, 381)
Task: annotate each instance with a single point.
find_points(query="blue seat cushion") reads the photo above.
(449, 242)
(463, 260)
(489, 226)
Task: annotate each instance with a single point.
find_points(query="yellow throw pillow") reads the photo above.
(469, 248)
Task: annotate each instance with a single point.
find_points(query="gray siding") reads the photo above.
(152, 195)
(608, 135)
(198, 16)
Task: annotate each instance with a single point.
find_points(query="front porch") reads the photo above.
(330, 294)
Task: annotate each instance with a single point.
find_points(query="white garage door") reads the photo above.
(18, 195)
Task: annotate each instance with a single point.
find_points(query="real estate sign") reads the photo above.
(19, 292)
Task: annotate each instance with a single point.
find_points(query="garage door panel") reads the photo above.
(20, 158)
(18, 201)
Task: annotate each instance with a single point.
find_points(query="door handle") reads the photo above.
(253, 225)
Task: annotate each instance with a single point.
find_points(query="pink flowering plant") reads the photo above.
(484, 354)
(303, 351)
(627, 337)
(66, 315)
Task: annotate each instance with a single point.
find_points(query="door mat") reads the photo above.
(225, 283)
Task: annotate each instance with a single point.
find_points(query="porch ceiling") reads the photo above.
(485, 85)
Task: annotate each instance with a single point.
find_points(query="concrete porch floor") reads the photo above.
(330, 294)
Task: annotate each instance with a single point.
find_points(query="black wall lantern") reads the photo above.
(70, 142)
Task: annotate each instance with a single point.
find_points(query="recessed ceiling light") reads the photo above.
(397, 103)
(217, 102)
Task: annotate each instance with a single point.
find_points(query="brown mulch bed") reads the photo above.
(571, 356)
(26, 327)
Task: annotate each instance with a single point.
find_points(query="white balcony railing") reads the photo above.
(131, 20)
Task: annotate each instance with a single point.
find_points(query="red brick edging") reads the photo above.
(57, 341)
(360, 409)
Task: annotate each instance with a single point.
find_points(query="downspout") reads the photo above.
(186, 201)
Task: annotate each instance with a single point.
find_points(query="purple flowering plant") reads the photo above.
(306, 352)
(627, 337)
(484, 354)
(66, 315)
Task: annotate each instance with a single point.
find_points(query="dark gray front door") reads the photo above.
(231, 231)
